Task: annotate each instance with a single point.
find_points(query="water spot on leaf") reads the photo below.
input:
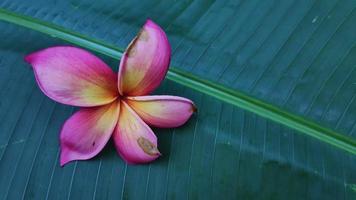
(315, 19)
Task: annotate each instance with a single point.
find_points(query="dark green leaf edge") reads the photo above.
(218, 91)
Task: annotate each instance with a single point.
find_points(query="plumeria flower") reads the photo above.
(112, 106)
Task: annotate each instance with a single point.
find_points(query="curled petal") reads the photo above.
(73, 76)
(85, 134)
(145, 61)
(134, 140)
(162, 110)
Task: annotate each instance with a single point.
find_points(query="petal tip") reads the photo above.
(65, 155)
(194, 109)
(153, 25)
(64, 159)
(29, 58)
(150, 22)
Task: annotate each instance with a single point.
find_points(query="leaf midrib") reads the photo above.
(210, 88)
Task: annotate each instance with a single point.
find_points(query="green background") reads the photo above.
(298, 55)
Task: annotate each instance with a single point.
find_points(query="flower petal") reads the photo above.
(85, 134)
(145, 61)
(134, 140)
(73, 76)
(162, 110)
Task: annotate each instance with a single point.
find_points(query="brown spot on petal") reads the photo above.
(131, 49)
(148, 147)
(143, 35)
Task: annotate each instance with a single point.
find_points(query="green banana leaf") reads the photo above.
(274, 82)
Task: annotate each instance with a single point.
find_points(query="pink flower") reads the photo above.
(112, 105)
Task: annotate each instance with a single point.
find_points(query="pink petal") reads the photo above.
(73, 76)
(134, 140)
(162, 110)
(145, 61)
(85, 134)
